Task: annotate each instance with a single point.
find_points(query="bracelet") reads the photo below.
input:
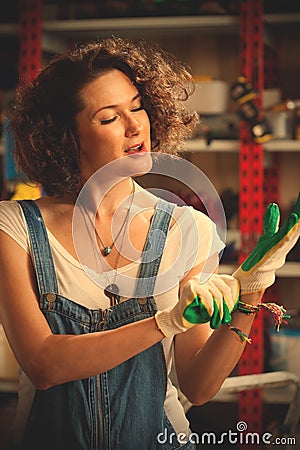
(243, 336)
(247, 309)
(278, 312)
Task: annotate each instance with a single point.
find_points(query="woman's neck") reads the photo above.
(111, 200)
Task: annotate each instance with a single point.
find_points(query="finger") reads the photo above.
(288, 225)
(296, 209)
(226, 291)
(214, 293)
(229, 289)
(215, 297)
(196, 313)
(205, 298)
(227, 315)
(292, 219)
(271, 219)
(217, 317)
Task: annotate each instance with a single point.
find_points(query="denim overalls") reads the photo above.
(122, 409)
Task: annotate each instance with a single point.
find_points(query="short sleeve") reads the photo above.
(12, 223)
(200, 241)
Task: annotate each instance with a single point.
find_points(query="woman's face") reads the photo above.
(113, 123)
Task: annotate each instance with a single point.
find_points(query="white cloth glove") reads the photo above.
(212, 301)
(258, 270)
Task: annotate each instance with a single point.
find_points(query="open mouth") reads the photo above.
(135, 149)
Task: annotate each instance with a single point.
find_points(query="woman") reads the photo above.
(94, 358)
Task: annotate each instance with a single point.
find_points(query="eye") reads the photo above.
(137, 104)
(137, 108)
(107, 121)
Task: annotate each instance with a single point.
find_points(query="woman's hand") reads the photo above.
(212, 301)
(258, 270)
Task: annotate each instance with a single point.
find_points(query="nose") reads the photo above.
(133, 126)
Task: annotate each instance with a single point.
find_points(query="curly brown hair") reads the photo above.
(43, 117)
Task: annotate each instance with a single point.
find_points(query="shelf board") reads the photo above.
(9, 29)
(144, 23)
(57, 34)
(232, 145)
(281, 395)
(282, 145)
(291, 269)
(164, 24)
(216, 145)
(139, 27)
(282, 19)
(9, 386)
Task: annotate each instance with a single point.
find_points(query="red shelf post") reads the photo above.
(251, 197)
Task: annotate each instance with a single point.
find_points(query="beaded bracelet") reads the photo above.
(279, 314)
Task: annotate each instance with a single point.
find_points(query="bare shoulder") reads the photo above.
(8, 207)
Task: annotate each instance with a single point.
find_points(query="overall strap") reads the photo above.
(154, 247)
(46, 275)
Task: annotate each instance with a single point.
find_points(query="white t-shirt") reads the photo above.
(190, 241)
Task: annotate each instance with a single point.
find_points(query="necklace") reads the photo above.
(107, 249)
(112, 291)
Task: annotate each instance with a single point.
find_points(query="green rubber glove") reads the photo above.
(212, 301)
(257, 272)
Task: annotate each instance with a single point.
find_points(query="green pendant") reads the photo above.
(106, 251)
